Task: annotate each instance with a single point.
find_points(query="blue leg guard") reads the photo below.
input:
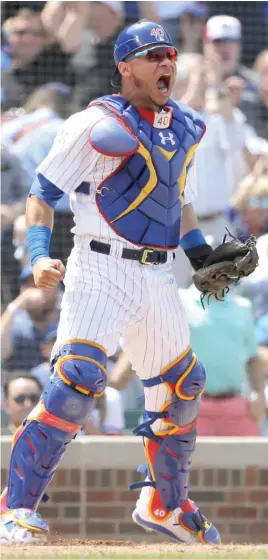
(169, 452)
(79, 377)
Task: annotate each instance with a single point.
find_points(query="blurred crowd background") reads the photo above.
(56, 58)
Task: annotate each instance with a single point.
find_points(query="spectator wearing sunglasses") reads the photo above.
(21, 394)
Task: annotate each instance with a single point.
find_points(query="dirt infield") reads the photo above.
(103, 548)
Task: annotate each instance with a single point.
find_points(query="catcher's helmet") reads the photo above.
(143, 34)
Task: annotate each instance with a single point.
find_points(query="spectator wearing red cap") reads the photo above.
(222, 41)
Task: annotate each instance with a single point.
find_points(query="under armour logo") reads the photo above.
(169, 138)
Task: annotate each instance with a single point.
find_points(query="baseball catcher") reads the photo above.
(128, 162)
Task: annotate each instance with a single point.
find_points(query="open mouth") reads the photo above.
(163, 83)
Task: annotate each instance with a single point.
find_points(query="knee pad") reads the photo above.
(82, 366)
(169, 452)
(79, 377)
(185, 379)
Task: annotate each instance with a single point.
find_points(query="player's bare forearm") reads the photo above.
(189, 220)
(38, 212)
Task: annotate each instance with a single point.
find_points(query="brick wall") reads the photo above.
(97, 504)
(90, 503)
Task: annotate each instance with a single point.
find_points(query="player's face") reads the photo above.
(152, 75)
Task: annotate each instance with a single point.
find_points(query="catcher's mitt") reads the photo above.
(226, 265)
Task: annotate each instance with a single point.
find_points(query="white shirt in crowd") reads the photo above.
(114, 422)
(213, 176)
(172, 10)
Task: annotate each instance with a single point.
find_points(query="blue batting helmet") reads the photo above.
(143, 34)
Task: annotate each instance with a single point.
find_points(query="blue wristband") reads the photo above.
(192, 239)
(38, 240)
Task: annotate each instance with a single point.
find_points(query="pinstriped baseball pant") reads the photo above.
(107, 298)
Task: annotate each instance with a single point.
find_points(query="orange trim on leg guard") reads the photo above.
(150, 449)
(171, 433)
(59, 368)
(173, 428)
(3, 503)
(156, 508)
(17, 434)
(40, 413)
(87, 342)
(176, 361)
(178, 388)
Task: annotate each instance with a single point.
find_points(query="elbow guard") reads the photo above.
(111, 137)
(46, 191)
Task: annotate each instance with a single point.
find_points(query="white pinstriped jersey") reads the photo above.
(106, 296)
(72, 161)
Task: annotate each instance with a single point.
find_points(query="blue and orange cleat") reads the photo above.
(21, 525)
(185, 524)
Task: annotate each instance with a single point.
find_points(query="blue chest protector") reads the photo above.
(143, 199)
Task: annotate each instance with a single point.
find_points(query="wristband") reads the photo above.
(192, 239)
(38, 240)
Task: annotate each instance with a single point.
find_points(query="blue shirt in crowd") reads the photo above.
(32, 136)
(223, 338)
(25, 340)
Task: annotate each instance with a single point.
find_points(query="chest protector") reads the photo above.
(142, 200)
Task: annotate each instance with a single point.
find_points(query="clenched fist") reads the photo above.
(48, 273)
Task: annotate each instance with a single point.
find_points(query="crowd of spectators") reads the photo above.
(57, 57)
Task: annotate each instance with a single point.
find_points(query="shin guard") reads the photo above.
(169, 452)
(79, 377)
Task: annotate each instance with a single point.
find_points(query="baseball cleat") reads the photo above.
(23, 526)
(186, 524)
